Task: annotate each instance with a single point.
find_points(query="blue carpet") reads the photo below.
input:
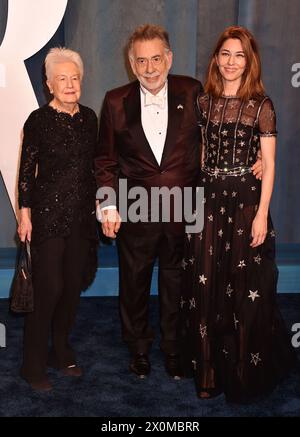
(107, 389)
(107, 281)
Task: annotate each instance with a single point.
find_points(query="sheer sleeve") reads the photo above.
(29, 159)
(267, 119)
(201, 104)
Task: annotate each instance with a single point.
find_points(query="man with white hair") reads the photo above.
(149, 136)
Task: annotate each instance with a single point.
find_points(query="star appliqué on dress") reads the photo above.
(257, 259)
(218, 107)
(235, 321)
(182, 302)
(192, 303)
(242, 264)
(184, 264)
(255, 358)
(241, 133)
(253, 295)
(202, 279)
(203, 330)
(229, 290)
(251, 103)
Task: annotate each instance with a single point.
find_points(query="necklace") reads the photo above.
(56, 108)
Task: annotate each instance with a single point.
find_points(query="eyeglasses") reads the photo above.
(143, 62)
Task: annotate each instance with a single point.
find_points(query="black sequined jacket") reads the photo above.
(56, 176)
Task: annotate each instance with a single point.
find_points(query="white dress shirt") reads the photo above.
(154, 116)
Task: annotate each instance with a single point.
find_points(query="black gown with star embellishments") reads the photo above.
(233, 336)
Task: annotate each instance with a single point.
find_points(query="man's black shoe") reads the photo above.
(140, 365)
(173, 366)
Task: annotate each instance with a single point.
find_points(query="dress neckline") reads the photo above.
(64, 112)
(229, 96)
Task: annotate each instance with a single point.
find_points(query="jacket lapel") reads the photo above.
(132, 106)
(176, 107)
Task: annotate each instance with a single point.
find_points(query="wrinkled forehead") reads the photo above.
(148, 48)
(65, 69)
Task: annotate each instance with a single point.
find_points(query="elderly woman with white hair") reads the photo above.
(57, 214)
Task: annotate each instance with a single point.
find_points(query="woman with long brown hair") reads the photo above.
(234, 336)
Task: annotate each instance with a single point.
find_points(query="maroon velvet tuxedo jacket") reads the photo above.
(124, 152)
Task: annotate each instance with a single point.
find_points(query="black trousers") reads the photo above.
(139, 244)
(58, 265)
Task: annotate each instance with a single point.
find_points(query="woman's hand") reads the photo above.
(25, 226)
(259, 229)
(256, 168)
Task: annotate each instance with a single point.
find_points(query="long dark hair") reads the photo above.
(251, 83)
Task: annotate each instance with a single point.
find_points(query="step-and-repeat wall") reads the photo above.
(99, 29)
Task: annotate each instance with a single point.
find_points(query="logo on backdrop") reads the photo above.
(30, 25)
(296, 77)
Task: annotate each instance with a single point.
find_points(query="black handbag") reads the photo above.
(22, 289)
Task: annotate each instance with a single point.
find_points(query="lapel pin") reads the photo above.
(180, 107)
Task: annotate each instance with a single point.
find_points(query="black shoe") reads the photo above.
(140, 365)
(173, 366)
(43, 385)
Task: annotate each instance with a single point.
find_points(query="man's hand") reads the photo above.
(257, 167)
(111, 222)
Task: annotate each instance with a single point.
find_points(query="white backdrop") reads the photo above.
(30, 25)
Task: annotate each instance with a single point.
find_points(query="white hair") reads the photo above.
(58, 55)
